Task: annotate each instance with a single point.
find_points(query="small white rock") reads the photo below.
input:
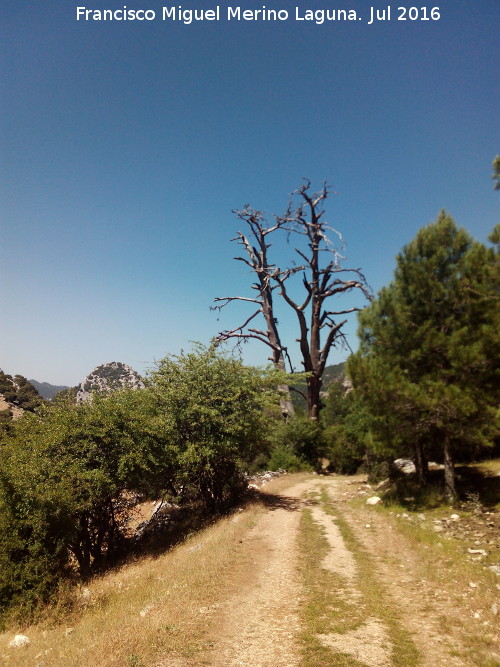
(144, 612)
(374, 500)
(472, 584)
(19, 641)
(494, 609)
(455, 517)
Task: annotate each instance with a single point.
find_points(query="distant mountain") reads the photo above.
(46, 389)
(107, 377)
(334, 373)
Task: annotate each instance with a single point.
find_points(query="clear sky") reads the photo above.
(126, 145)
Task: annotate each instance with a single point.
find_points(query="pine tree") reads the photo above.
(426, 363)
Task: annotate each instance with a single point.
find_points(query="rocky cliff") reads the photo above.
(109, 377)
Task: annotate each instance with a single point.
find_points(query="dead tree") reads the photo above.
(320, 327)
(256, 247)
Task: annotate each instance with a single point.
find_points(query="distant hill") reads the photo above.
(334, 373)
(17, 394)
(46, 389)
(67, 395)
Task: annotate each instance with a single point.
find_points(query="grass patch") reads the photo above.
(376, 602)
(329, 606)
(324, 609)
(443, 566)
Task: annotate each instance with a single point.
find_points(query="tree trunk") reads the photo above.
(421, 465)
(449, 470)
(286, 404)
(313, 397)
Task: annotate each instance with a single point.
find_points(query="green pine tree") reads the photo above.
(426, 364)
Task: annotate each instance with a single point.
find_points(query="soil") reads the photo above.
(257, 620)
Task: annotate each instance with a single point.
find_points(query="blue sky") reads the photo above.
(126, 145)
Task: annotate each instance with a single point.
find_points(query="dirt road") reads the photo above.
(307, 575)
(384, 599)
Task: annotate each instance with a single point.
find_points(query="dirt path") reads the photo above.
(259, 621)
(307, 576)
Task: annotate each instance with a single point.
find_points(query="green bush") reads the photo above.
(283, 458)
(189, 434)
(213, 413)
(60, 475)
(344, 452)
(297, 440)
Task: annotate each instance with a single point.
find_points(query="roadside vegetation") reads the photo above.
(68, 472)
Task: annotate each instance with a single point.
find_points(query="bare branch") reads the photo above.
(297, 391)
(227, 333)
(228, 299)
(223, 336)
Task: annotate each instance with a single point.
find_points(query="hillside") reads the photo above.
(47, 390)
(108, 377)
(17, 394)
(334, 373)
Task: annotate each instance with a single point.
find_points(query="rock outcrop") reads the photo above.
(108, 377)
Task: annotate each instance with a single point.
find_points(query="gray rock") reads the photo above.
(405, 465)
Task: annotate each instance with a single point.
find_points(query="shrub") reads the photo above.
(189, 433)
(283, 458)
(345, 452)
(60, 473)
(212, 410)
(298, 440)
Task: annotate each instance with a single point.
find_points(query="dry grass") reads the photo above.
(491, 466)
(157, 607)
(281, 484)
(444, 563)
